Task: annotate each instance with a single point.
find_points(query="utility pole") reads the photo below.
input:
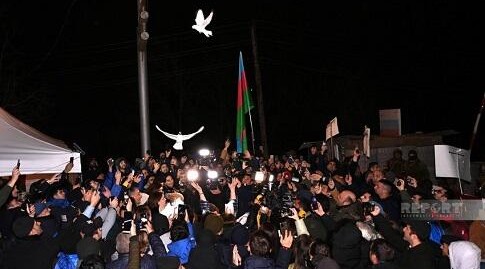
(259, 92)
(475, 128)
(142, 37)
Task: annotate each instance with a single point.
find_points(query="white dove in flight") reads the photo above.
(201, 23)
(179, 138)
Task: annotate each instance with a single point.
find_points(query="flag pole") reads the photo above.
(252, 130)
(331, 142)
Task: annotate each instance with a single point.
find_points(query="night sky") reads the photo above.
(69, 69)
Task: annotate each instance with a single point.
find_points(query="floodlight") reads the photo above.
(204, 152)
(212, 174)
(192, 175)
(259, 177)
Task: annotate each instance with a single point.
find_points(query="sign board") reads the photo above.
(390, 122)
(452, 162)
(332, 129)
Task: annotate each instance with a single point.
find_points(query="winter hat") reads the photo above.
(87, 246)
(22, 226)
(90, 226)
(213, 223)
(39, 207)
(240, 235)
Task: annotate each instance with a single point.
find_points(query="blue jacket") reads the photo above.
(182, 248)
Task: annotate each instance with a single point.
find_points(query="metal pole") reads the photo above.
(475, 128)
(252, 130)
(142, 37)
(259, 92)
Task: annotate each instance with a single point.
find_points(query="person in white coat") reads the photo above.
(464, 255)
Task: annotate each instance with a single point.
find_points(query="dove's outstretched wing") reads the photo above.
(207, 20)
(171, 136)
(189, 136)
(199, 18)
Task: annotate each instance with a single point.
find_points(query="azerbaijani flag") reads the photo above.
(244, 104)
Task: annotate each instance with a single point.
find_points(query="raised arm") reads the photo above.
(7, 189)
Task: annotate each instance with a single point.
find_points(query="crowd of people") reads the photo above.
(230, 210)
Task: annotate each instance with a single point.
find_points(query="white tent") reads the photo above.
(38, 153)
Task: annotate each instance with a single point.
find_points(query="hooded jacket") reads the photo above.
(464, 255)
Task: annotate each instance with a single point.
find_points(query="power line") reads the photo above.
(49, 52)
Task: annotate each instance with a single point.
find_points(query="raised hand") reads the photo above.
(15, 172)
(227, 143)
(149, 227)
(106, 192)
(376, 211)
(156, 167)
(412, 182)
(196, 187)
(137, 178)
(348, 179)
(400, 184)
(55, 178)
(319, 210)
(286, 239)
(95, 197)
(113, 203)
(236, 258)
(294, 215)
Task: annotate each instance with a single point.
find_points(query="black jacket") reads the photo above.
(257, 262)
(31, 252)
(204, 255)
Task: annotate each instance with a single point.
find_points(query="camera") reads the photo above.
(181, 211)
(126, 224)
(314, 203)
(125, 200)
(368, 207)
(141, 221)
(22, 196)
(284, 227)
(286, 204)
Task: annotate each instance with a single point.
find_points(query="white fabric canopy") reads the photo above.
(38, 153)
